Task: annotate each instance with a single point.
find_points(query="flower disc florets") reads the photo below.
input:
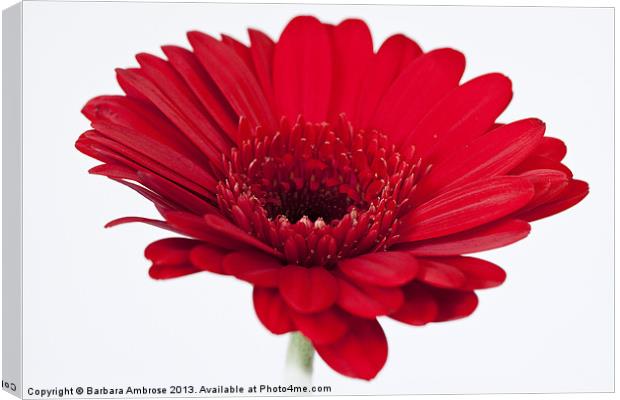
(318, 192)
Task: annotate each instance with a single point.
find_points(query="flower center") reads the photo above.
(323, 203)
(317, 192)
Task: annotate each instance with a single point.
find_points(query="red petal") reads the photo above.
(127, 220)
(125, 82)
(242, 50)
(114, 171)
(302, 69)
(205, 89)
(368, 301)
(234, 79)
(271, 310)
(261, 50)
(361, 353)
(466, 113)
(393, 56)
(208, 258)
(324, 327)
(573, 194)
(391, 268)
(170, 250)
(86, 145)
(548, 184)
(170, 258)
(420, 306)
(479, 274)
(164, 271)
(252, 266)
(551, 148)
(534, 162)
(438, 274)
(454, 304)
(487, 237)
(466, 207)
(492, 154)
(420, 86)
(308, 290)
(352, 52)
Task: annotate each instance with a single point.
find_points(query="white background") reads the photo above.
(93, 317)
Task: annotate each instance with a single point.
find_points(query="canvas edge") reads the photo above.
(12, 289)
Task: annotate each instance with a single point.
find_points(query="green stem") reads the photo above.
(299, 360)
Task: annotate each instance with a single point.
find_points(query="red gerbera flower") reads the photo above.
(343, 184)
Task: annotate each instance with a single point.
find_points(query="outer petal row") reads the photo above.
(347, 337)
(424, 304)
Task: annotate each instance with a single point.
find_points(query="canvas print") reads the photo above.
(342, 184)
(316, 199)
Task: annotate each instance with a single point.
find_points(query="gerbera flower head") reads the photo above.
(344, 184)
